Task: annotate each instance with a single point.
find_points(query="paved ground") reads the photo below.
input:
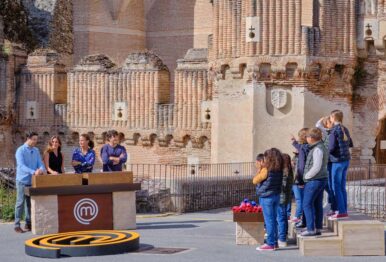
(208, 236)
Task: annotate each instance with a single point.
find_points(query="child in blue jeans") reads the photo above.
(302, 148)
(339, 143)
(285, 199)
(315, 176)
(268, 192)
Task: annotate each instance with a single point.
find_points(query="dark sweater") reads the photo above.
(338, 147)
(107, 151)
(303, 150)
(286, 188)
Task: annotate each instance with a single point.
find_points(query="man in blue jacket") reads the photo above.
(112, 153)
(28, 164)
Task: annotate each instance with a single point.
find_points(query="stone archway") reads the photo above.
(380, 147)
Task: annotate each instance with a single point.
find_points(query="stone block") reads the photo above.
(362, 238)
(44, 214)
(124, 210)
(249, 233)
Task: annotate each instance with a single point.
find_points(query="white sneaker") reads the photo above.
(282, 243)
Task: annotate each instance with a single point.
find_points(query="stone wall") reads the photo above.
(186, 22)
(114, 28)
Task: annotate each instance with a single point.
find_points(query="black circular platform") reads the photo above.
(83, 243)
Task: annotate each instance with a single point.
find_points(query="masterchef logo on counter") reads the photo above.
(85, 211)
(83, 243)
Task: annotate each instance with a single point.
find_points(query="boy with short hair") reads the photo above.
(315, 176)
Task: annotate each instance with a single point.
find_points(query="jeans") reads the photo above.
(331, 198)
(298, 192)
(288, 209)
(282, 222)
(22, 202)
(339, 172)
(313, 204)
(270, 205)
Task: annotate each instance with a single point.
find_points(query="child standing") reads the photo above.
(262, 171)
(315, 176)
(339, 144)
(269, 196)
(285, 199)
(325, 125)
(298, 187)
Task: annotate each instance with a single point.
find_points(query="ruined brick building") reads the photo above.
(195, 81)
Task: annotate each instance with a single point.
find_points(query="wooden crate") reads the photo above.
(108, 178)
(362, 238)
(57, 180)
(248, 217)
(327, 245)
(250, 233)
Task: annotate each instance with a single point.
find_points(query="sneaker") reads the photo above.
(300, 225)
(308, 234)
(19, 230)
(27, 228)
(338, 216)
(282, 243)
(265, 247)
(295, 220)
(318, 232)
(331, 213)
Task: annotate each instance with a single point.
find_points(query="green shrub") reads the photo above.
(7, 203)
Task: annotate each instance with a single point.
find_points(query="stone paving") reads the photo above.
(207, 236)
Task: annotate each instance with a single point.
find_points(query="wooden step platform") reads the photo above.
(355, 236)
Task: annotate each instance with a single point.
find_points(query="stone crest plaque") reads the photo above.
(278, 98)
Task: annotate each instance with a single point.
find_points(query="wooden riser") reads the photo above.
(362, 238)
(327, 245)
(355, 236)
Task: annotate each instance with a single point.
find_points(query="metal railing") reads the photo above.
(366, 189)
(189, 188)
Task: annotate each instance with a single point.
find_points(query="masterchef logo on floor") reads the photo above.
(85, 211)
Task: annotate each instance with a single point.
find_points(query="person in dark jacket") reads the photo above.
(112, 153)
(285, 199)
(301, 147)
(339, 143)
(269, 196)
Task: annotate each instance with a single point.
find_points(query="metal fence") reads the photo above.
(366, 189)
(189, 188)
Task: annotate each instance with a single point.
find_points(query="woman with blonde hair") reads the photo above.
(53, 156)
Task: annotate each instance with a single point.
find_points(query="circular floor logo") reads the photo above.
(85, 211)
(83, 243)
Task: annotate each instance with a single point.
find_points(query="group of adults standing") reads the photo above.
(29, 163)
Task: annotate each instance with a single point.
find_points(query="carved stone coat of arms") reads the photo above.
(278, 98)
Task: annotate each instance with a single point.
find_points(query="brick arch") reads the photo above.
(265, 70)
(186, 140)
(225, 70)
(152, 139)
(290, 69)
(136, 138)
(75, 138)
